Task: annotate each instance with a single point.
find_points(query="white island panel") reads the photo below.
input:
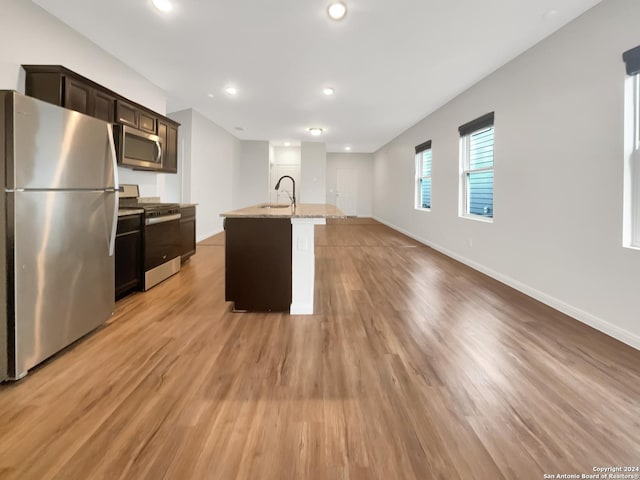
(303, 262)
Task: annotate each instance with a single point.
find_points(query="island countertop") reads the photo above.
(302, 210)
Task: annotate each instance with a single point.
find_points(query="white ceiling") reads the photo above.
(391, 62)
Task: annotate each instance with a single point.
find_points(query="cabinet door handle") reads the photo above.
(164, 219)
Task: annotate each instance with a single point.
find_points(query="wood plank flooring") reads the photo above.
(413, 367)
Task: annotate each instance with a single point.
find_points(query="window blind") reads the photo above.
(480, 183)
(632, 60)
(423, 165)
(477, 124)
(423, 146)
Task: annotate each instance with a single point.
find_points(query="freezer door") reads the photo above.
(64, 276)
(56, 148)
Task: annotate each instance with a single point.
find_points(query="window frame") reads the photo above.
(419, 178)
(633, 165)
(636, 114)
(631, 192)
(478, 125)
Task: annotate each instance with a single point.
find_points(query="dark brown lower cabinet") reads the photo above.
(128, 255)
(258, 263)
(187, 232)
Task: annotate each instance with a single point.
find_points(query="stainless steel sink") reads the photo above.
(275, 205)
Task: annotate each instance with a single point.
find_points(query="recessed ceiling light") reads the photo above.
(287, 144)
(231, 90)
(163, 5)
(315, 131)
(328, 91)
(210, 95)
(347, 148)
(337, 10)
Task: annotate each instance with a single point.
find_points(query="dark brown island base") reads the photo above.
(258, 263)
(269, 256)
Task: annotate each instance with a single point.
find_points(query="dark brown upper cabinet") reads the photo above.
(133, 116)
(77, 95)
(103, 106)
(61, 86)
(147, 122)
(168, 133)
(172, 149)
(127, 114)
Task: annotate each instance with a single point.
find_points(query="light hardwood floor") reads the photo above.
(414, 367)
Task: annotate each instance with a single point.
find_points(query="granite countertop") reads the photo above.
(123, 212)
(303, 210)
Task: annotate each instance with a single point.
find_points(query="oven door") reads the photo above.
(161, 240)
(138, 149)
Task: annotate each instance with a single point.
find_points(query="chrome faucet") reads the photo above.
(292, 197)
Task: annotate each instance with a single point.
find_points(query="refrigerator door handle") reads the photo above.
(114, 224)
(116, 202)
(114, 158)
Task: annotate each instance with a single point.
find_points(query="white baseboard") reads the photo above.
(301, 309)
(598, 323)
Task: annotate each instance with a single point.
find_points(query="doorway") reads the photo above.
(347, 190)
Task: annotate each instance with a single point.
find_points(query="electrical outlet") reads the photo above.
(470, 241)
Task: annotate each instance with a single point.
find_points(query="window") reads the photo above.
(632, 150)
(635, 162)
(476, 172)
(423, 175)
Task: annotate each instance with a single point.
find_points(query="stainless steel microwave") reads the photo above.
(137, 149)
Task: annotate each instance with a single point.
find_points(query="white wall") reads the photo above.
(185, 119)
(210, 157)
(286, 155)
(362, 164)
(557, 231)
(313, 172)
(250, 185)
(29, 35)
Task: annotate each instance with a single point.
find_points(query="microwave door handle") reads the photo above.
(159, 157)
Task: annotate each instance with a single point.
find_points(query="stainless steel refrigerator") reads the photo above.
(59, 211)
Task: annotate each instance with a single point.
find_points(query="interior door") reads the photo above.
(346, 190)
(286, 188)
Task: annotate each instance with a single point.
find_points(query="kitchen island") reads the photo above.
(270, 256)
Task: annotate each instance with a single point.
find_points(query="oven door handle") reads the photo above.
(163, 219)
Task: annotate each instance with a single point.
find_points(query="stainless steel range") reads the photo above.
(160, 237)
